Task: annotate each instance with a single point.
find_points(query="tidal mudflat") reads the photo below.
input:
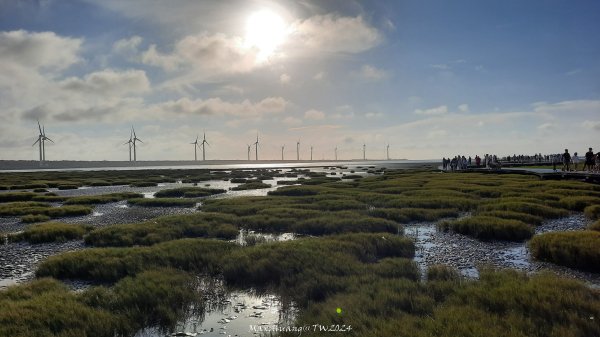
(384, 252)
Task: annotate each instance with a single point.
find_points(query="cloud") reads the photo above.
(292, 121)
(313, 114)
(463, 108)
(45, 50)
(440, 110)
(580, 107)
(285, 78)
(216, 106)
(127, 47)
(317, 127)
(440, 66)
(334, 34)
(546, 127)
(372, 115)
(595, 125)
(108, 82)
(371, 73)
(319, 76)
(210, 55)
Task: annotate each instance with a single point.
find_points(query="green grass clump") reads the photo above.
(69, 210)
(543, 211)
(16, 196)
(297, 191)
(577, 249)
(68, 187)
(162, 202)
(188, 192)
(46, 307)
(579, 203)
(30, 218)
(595, 226)
(526, 218)
(165, 228)
(592, 212)
(250, 186)
(51, 232)
(112, 264)
(50, 198)
(102, 199)
(413, 214)
(440, 272)
(23, 208)
(489, 228)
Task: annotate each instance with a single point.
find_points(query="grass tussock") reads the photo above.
(198, 225)
(577, 249)
(31, 218)
(51, 232)
(112, 264)
(595, 226)
(40, 208)
(255, 185)
(188, 192)
(102, 199)
(489, 228)
(592, 212)
(579, 203)
(162, 202)
(16, 196)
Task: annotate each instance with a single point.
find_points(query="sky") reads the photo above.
(429, 78)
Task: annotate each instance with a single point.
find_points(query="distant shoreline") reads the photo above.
(30, 165)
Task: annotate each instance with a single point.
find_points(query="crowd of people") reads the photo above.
(590, 162)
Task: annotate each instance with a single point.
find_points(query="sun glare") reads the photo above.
(265, 31)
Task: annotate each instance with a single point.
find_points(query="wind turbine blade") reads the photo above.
(46, 138)
(37, 141)
(139, 140)
(39, 127)
(44, 131)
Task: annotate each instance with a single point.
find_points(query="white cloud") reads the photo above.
(127, 47)
(319, 76)
(314, 114)
(285, 78)
(334, 34)
(371, 73)
(463, 108)
(595, 125)
(109, 82)
(292, 121)
(45, 50)
(546, 127)
(440, 110)
(216, 106)
(372, 115)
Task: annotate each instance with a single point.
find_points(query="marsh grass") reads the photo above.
(112, 264)
(162, 202)
(592, 212)
(102, 198)
(16, 196)
(576, 249)
(489, 228)
(251, 186)
(164, 229)
(188, 192)
(51, 232)
(595, 226)
(40, 208)
(579, 203)
(30, 218)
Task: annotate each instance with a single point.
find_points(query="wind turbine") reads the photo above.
(130, 141)
(256, 146)
(41, 142)
(282, 148)
(249, 146)
(298, 150)
(203, 151)
(364, 151)
(335, 150)
(195, 149)
(135, 138)
(387, 149)
(44, 139)
(311, 150)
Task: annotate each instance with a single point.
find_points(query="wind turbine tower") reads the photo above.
(135, 139)
(311, 151)
(335, 151)
(249, 146)
(298, 150)
(129, 142)
(387, 149)
(256, 147)
(195, 149)
(41, 142)
(203, 149)
(282, 148)
(364, 151)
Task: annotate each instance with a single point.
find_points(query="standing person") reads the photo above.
(566, 159)
(589, 160)
(477, 160)
(597, 157)
(575, 161)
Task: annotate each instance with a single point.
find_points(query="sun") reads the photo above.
(265, 31)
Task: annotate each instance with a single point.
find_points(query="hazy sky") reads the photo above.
(431, 78)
